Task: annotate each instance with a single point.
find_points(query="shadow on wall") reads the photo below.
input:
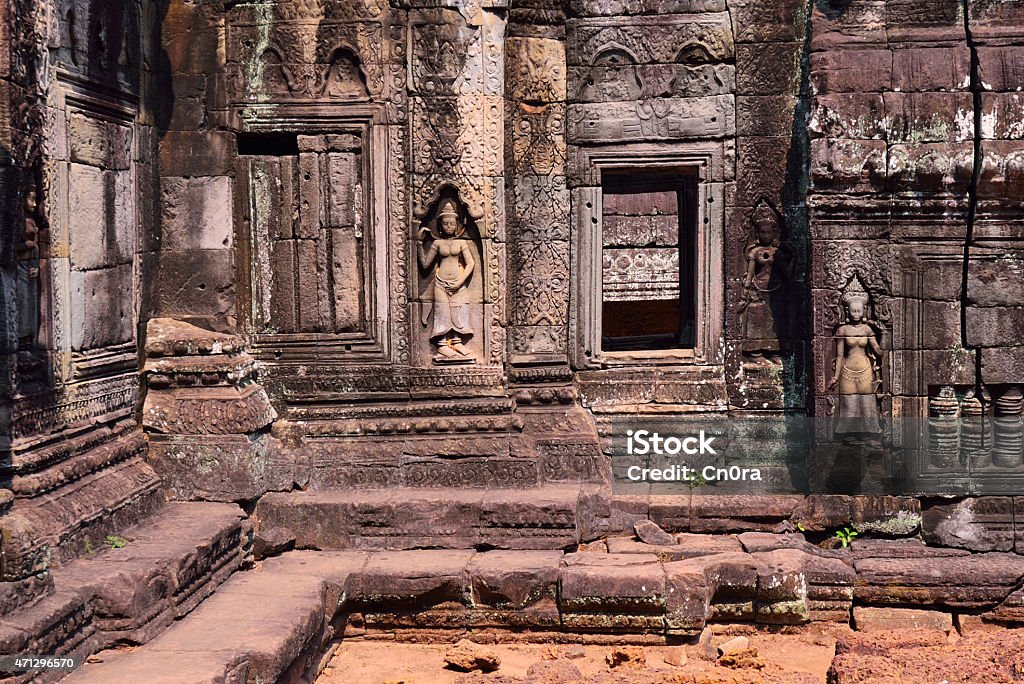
(156, 105)
(796, 231)
(26, 367)
(832, 9)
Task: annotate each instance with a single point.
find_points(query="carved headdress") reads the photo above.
(764, 214)
(855, 292)
(448, 209)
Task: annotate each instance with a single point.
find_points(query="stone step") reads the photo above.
(271, 624)
(541, 518)
(60, 624)
(275, 622)
(551, 516)
(258, 627)
(128, 595)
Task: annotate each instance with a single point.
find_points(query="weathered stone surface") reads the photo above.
(196, 213)
(466, 656)
(513, 579)
(740, 513)
(603, 592)
(165, 667)
(197, 284)
(978, 581)
(268, 624)
(985, 524)
(100, 316)
(191, 154)
(756, 542)
(650, 533)
(900, 548)
(61, 624)
(867, 619)
(170, 564)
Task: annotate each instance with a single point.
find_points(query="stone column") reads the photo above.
(538, 200)
(765, 324)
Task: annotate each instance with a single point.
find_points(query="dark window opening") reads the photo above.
(268, 144)
(649, 270)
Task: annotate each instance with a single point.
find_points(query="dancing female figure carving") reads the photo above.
(450, 254)
(857, 374)
(768, 268)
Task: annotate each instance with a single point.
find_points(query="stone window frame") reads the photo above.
(705, 160)
(367, 121)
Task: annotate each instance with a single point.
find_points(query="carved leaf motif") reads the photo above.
(542, 284)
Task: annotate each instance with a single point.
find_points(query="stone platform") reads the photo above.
(280, 621)
(552, 516)
(121, 596)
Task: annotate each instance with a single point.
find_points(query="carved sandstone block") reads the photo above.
(535, 69)
(768, 21)
(100, 314)
(1001, 68)
(769, 115)
(652, 120)
(848, 165)
(663, 39)
(1002, 116)
(848, 115)
(939, 68)
(994, 326)
(851, 70)
(929, 117)
(196, 213)
(197, 283)
(768, 68)
(858, 23)
(618, 7)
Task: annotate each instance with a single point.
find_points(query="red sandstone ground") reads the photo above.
(918, 657)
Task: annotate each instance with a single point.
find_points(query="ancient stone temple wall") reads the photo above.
(912, 157)
(425, 243)
(77, 152)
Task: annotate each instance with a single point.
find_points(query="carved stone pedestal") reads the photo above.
(207, 417)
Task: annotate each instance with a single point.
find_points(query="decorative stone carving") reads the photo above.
(768, 267)
(1008, 449)
(857, 368)
(207, 417)
(450, 256)
(542, 285)
(654, 119)
(944, 428)
(975, 440)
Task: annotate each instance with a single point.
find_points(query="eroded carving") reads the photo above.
(768, 267)
(857, 370)
(451, 258)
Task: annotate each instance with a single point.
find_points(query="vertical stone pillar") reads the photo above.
(456, 135)
(944, 428)
(975, 442)
(995, 281)
(765, 329)
(538, 199)
(196, 278)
